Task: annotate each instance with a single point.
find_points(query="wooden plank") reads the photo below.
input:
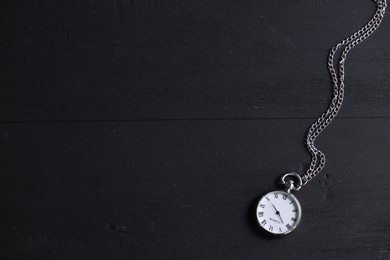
(185, 189)
(167, 59)
(148, 129)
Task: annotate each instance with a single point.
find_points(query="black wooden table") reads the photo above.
(148, 129)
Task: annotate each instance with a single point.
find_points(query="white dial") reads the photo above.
(278, 212)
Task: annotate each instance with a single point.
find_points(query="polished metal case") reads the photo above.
(299, 215)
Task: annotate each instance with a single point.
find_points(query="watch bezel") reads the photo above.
(299, 215)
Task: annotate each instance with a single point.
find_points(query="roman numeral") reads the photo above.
(261, 205)
(261, 214)
(295, 210)
(267, 198)
(288, 226)
(280, 230)
(292, 202)
(276, 195)
(284, 196)
(263, 222)
(271, 228)
(294, 219)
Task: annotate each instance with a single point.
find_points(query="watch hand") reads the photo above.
(280, 217)
(277, 212)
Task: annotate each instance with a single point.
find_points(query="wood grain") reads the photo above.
(118, 60)
(155, 190)
(148, 129)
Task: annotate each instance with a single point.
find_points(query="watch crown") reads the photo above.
(289, 183)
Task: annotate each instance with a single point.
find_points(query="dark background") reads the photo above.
(147, 129)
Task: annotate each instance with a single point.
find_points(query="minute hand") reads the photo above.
(277, 212)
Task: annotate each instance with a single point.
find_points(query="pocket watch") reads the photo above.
(279, 212)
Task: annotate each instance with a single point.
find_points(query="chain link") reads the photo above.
(317, 157)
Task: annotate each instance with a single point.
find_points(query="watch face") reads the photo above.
(278, 212)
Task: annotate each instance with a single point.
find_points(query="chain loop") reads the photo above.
(318, 159)
(292, 181)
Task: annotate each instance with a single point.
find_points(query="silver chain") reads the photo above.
(318, 157)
